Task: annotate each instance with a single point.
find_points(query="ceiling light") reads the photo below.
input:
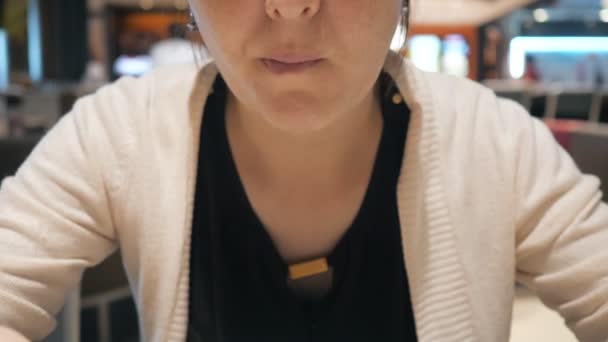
(604, 15)
(541, 15)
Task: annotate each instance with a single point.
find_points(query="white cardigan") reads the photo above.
(486, 197)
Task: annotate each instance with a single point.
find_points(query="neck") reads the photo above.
(338, 154)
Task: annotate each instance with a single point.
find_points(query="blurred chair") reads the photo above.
(110, 317)
(596, 107)
(588, 149)
(68, 320)
(10, 103)
(539, 105)
(108, 310)
(66, 102)
(573, 105)
(521, 97)
(601, 110)
(13, 100)
(13, 151)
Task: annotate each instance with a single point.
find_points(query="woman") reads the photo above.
(310, 201)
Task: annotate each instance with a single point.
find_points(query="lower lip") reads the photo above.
(285, 68)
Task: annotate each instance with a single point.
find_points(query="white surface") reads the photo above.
(532, 321)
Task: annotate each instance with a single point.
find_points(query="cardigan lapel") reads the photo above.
(440, 300)
(174, 320)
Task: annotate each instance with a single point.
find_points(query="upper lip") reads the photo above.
(293, 57)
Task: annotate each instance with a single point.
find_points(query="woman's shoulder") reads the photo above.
(458, 94)
(461, 103)
(160, 84)
(120, 118)
(132, 103)
(469, 119)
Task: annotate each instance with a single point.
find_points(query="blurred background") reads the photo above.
(551, 56)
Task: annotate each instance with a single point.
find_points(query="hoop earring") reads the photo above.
(192, 26)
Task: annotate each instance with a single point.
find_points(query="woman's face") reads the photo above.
(301, 65)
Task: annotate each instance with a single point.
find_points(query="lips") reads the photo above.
(290, 63)
(293, 57)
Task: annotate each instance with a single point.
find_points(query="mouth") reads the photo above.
(290, 65)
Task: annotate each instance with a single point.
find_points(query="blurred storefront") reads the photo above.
(54, 51)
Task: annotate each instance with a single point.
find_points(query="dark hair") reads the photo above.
(406, 17)
(177, 30)
(388, 87)
(405, 20)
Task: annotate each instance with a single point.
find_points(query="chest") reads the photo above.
(309, 226)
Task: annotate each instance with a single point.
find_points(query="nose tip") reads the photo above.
(291, 9)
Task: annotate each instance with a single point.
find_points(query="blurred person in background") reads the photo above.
(590, 71)
(597, 70)
(294, 188)
(531, 73)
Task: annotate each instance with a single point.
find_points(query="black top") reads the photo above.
(238, 280)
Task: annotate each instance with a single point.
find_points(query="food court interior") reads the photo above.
(551, 56)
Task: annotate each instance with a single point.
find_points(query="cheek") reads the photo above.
(364, 30)
(364, 25)
(217, 20)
